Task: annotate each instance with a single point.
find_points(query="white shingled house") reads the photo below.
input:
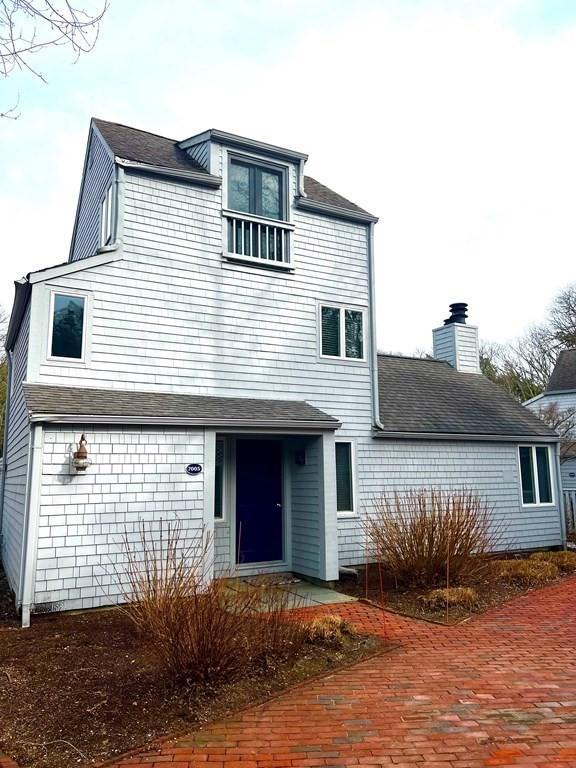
(211, 342)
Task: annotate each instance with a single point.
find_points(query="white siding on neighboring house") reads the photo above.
(17, 461)
(137, 474)
(99, 175)
(562, 399)
(385, 466)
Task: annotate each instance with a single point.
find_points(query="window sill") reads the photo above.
(546, 505)
(60, 361)
(347, 515)
(277, 266)
(334, 359)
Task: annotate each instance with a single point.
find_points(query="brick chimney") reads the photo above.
(457, 343)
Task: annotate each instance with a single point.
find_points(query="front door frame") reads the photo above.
(230, 501)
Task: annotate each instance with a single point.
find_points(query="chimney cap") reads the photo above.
(458, 313)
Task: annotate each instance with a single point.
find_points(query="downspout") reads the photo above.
(373, 340)
(31, 522)
(560, 492)
(5, 440)
(117, 213)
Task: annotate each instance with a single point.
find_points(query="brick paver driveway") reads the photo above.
(497, 691)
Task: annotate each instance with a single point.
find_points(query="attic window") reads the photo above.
(106, 217)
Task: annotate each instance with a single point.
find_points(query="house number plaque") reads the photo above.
(193, 469)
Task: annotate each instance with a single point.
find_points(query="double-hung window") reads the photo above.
(342, 333)
(536, 475)
(106, 217)
(67, 326)
(344, 478)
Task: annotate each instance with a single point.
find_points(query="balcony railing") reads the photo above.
(250, 238)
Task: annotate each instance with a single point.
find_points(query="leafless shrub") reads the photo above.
(432, 537)
(203, 629)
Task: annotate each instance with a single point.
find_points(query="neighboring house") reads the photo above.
(212, 335)
(561, 392)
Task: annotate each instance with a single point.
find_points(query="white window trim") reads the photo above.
(342, 356)
(535, 476)
(250, 159)
(348, 513)
(68, 292)
(106, 236)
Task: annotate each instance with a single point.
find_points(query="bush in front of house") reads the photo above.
(525, 573)
(564, 561)
(449, 597)
(432, 537)
(203, 629)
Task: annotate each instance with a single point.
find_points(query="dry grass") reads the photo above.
(564, 561)
(330, 629)
(431, 537)
(203, 629)
(525, 573)
(451, 597)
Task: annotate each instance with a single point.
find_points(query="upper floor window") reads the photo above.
(255, 189)
(536, 475)
(342, 332)
(106, 217)
(67, 326)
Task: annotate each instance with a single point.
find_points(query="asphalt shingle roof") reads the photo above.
(47, 400)
(151, 149)
(423, 395)
(563, 376)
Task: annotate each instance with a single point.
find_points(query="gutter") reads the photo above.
(5, 441)
(373, 341)
(199, 421)
(326, 209)
(196, 177)
(470, 437)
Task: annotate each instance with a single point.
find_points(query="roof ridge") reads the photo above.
(427, 359)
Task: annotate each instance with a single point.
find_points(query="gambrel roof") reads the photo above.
(425, 396)
(150, 149)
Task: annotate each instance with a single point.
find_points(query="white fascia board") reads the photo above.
(241, 142)
(105, 256)
(80, 418)
(459, 436)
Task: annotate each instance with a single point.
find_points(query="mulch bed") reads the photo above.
(382, 590)
(76, 689)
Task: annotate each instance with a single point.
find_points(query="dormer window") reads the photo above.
(256, 228)
(255, 189)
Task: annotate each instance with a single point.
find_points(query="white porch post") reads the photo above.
(209, 480)
(328, 516)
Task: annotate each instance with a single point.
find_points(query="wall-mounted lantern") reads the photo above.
(80, 458)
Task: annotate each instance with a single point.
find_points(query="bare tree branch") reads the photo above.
(29, 26)
(563, 421)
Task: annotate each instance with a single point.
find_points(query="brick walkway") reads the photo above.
(497, 691)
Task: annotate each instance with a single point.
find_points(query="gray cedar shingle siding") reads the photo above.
(563, 376)
(47, 400)
(422, 395)
(151, 149)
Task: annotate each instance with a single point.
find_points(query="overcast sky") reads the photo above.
(454, 122)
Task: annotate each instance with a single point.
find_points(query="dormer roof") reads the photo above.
(147, 148)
